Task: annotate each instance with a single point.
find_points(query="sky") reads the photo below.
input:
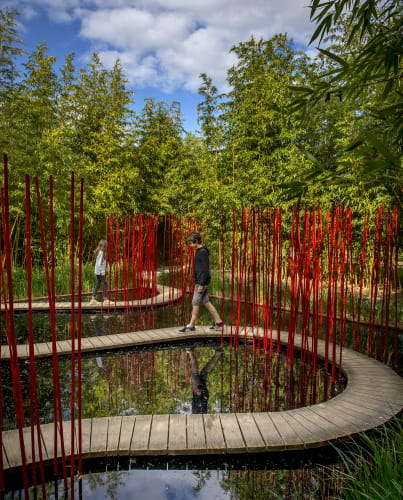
(163, 45)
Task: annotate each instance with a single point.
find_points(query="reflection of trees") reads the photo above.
(202, 476)
(279, 484)
(159, 381)
(111, 479)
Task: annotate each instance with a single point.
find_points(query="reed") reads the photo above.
(62, 280)
(373, 464)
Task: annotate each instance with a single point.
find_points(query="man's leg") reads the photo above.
(213, 311)
(195, 315)
(193, 360)
(213, 361)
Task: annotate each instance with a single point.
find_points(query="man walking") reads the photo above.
(202, 279)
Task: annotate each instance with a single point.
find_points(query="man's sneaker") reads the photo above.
(216, 326)
(106, 302)
(94, 302)
(187, 329)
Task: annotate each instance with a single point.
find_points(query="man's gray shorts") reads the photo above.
(200, 298)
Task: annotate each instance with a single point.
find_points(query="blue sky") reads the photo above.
(163, 45)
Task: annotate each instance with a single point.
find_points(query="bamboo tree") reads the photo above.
(158, 135)
(260, 134)
(365, 71)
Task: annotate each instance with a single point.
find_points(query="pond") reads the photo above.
(194, 379)
(159, 380)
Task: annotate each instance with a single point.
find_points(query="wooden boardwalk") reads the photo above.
(165, 295)
(373, 395)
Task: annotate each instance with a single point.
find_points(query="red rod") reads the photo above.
(73, 338)
(79, 332)
(34, 407)
(11, 333)
(58, 416)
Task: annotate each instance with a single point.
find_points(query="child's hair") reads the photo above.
(102, 245)
(194, 238)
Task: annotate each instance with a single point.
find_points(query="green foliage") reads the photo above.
(252, 150)
(62, 280)
(373, 464)
(362, 71)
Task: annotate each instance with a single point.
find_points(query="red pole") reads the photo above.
(58, 416)
(34, 408)
(79, 320)
(12, 340)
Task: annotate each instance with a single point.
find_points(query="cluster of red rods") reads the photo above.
(308, 271)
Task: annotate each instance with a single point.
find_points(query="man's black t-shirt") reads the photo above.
(202, 266)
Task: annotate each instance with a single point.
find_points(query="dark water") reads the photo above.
(159, 381)
(178, 482)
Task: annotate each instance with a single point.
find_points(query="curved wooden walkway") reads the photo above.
(373, 395)
(165, 295)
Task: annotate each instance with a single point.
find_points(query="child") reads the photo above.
(100, 272)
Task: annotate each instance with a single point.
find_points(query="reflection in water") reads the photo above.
(159, 381)
(100, 325)
(200, 393)
(246, 481)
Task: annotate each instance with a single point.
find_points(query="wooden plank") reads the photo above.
(86, 344)
(305, 433)
(196, 437)
(23, 351)
(251, 434)
(112, 445)
(141, 435)
(124, 339)
(99, 435)
(91, 343)
(12, 448)
(28, 445)
(5, 352)
(69, 447)
(107, 340)
(47, 432)
(374, 399)
(290, 437)
(140, 337)
(86, 432)
(232, 433)
(269, 432)
(158, 443)
(6, 463)
(177, 434)
(342, 424)
(126, 433)
(44, 349)
(320, 427)
(60, 347)
(214, 434)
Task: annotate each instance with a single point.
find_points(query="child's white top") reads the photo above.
(100, 263)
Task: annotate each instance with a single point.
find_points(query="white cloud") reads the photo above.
(168, 43)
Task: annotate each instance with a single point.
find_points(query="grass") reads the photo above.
(373, 464)
(62, 280)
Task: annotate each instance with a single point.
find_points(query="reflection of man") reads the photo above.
(199, 380)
